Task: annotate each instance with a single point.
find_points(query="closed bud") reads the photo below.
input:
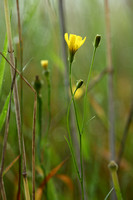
(37, 84)
(113, 166)
(46, 73)
(79, 83)
(97, 40)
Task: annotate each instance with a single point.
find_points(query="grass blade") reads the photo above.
(2, 64)
(109, 194)
(26, 189)
(52, 173)
(11, 164)
(4, 111)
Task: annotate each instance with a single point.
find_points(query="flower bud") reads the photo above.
(79, 83)
(44, 64)
(37, 84)
(97, 40)
(113, 166)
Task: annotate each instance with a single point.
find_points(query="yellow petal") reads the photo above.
(72, 40)
(66, 38)
(83, 41)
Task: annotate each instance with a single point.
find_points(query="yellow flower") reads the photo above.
(74, 42)
(44, 64)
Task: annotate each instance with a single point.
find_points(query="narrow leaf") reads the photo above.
(53, 172)
(109, 194)
(4, 111)
(11, 164)
(2, 64)
(26, 189)
(66, 179)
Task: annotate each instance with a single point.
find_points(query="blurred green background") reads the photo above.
(41, 34)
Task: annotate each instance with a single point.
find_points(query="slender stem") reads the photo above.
(49, 105)
(116, 185)
(70, 82)
(39, 122)
(110, 83)
(113, 169)
(22, 77)
(33, 147)
(10, 46)
(21, 101)
(70, 140)
(80, 135)
(64, 52)
(81, 165)
(87, 86)
(6, 136)
(3, 193)
(34, 124)
(16, 98)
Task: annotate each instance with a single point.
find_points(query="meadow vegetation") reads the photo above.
(66, 99)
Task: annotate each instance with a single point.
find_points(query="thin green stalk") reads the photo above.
(70, 140)
(109, 194)
(49, 104)
(70, 82)
(37, 86)
(87, 85)
(81, 165)
(39, 122)
(113, 169)
(80, 136)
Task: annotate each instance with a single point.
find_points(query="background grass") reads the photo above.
(42, 40)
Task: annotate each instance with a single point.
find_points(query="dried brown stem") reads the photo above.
(21, 97)
(5, 139)
(64, 52)
(34, 125)
(11, 51)
(125, 134)
(110, 83)
(16, 98)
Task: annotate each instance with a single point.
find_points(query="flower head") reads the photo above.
(44, 64)
(74, 43)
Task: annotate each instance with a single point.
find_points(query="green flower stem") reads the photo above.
(70, 82)
(116, 185)
(87, 85)
(70, 140)
(39, 123)
(81, 165)
(113, 169)
(80, 136)
(49, 103)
